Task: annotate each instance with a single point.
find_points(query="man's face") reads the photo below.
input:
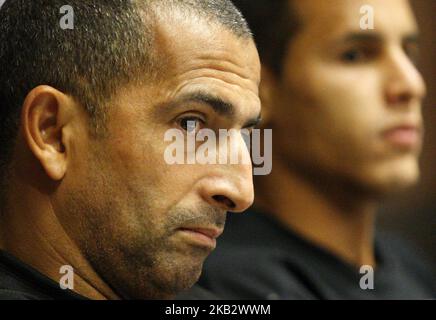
(138, 219)
(350, 99)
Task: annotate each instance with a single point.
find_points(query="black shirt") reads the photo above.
(19, 281)
(257, 258)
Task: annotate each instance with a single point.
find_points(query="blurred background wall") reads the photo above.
(413, 214)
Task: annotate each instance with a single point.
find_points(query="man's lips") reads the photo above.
(204, 236)
(405, 136)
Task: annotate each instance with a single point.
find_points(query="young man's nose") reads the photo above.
(405, 83)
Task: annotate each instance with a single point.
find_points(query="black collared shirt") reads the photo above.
(257, 258)
(19, 281)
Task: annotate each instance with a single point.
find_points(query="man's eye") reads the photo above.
(358, 55)
(191, 124)
(353, 55)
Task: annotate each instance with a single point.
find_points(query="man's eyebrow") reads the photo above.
(220, 106)
(253, 122)
(362, 37)
(376, 37)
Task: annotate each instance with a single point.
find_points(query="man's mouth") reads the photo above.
(404, 136)
(202, 236)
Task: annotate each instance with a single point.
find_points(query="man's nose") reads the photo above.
(230, 186)
(405, 83)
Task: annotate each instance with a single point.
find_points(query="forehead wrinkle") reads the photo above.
(183, 85)
(227, 78)
(223, 61)
(220, 63)
(202, 73)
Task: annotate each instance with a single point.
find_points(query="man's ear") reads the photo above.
(267, 93)
(44, 114)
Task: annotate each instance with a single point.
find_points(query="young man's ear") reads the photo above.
(44, 115)
(267, 93)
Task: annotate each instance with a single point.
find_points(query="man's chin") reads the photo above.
(159, 289)
(171, 279)
(390, 178)
(393, 185)
(161, 276)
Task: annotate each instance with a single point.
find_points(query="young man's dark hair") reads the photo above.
(344, 102)
(273, 24)
(87, 93)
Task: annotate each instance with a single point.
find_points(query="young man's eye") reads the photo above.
(358, 55)
(353, 55)
(191, 124)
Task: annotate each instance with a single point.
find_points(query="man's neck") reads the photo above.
(335, 219)
(32, 233)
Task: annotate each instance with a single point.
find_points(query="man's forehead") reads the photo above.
(185, 43)
(335, 18)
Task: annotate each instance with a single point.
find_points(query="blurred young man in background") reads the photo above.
(344, 101)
